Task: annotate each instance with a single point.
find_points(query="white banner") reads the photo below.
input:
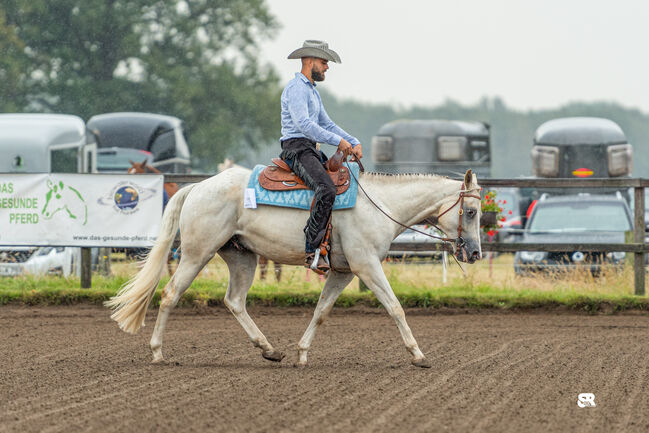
(107, 210)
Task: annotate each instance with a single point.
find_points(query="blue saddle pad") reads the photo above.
(301, 198)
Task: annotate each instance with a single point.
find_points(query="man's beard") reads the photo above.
(317, 75)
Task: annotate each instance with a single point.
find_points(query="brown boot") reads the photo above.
(321, 269)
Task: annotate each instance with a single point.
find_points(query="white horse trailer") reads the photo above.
(44, 143)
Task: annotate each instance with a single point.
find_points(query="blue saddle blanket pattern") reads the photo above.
(301, 198)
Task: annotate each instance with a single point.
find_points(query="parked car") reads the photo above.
(575, 219)
(118, 159)
(411, 236)
(37, 261)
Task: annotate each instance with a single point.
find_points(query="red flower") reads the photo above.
(510, 212)
(503, 219)
(504, 201)
(491, 233)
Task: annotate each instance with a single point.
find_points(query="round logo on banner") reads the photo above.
(126, 198)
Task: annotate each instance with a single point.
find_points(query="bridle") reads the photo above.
(458, 241)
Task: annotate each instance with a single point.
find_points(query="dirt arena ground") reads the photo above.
(71, 369)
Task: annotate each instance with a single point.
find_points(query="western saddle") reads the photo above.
(279, 177)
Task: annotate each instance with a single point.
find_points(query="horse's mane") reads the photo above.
(401, 176)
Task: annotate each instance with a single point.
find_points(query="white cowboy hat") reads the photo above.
(319, 49)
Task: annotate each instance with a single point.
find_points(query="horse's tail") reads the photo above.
(131, 302)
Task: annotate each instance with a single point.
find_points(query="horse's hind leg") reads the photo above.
(187, 270)
(335, 284)
(242, 265)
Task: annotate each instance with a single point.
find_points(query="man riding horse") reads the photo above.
(305, 123)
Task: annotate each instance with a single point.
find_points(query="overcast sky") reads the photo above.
(533, 54)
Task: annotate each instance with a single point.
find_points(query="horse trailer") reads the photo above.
(162, 136)
(444, 147)
(581, 147)
(44, 143)
(578, 147)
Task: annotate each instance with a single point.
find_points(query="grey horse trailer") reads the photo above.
(444, 147)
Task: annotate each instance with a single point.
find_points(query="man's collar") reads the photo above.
(304, 78)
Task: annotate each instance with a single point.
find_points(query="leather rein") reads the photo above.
(459, 240)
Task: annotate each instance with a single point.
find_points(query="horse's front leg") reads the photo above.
(372, 275)
(335, 284)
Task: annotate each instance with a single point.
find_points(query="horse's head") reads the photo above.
(53, 198)
(138, 167)
(64, 197)
(459, 216)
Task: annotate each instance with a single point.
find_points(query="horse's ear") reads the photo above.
(468, 179)
(144, 162)
(131, 162)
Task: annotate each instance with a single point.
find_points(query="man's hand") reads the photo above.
(358, 151)
(345, 147)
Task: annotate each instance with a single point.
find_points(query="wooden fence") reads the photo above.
(637, 247)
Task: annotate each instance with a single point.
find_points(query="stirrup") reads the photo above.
(316, 263)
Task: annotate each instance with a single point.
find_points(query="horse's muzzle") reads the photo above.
(465, 254)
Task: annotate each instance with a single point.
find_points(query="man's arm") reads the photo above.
(326, 123)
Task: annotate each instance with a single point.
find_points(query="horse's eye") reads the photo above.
(471, 213)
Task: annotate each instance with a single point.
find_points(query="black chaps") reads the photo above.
(307, 163)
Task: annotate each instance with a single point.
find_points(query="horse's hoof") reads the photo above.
(275, 355)
(422, 363)
(299, 364)
(159, 360)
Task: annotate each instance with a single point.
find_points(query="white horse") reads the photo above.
(212, 219)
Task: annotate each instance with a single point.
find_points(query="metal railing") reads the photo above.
(638, 247)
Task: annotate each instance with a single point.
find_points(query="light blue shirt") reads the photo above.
(304, 116)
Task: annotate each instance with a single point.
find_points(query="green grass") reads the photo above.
(416, 286)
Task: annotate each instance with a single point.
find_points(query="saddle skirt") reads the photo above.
(279, 177)
(293, 193)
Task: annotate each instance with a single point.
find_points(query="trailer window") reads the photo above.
(382, 148)
(451, 148)
(620, 159)
(480, 151)
(64, 160)
(545, 161)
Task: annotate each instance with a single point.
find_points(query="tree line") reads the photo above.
(199, 60)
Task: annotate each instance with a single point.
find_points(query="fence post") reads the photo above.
(638, 230)
(86, 268)
(103, 261)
